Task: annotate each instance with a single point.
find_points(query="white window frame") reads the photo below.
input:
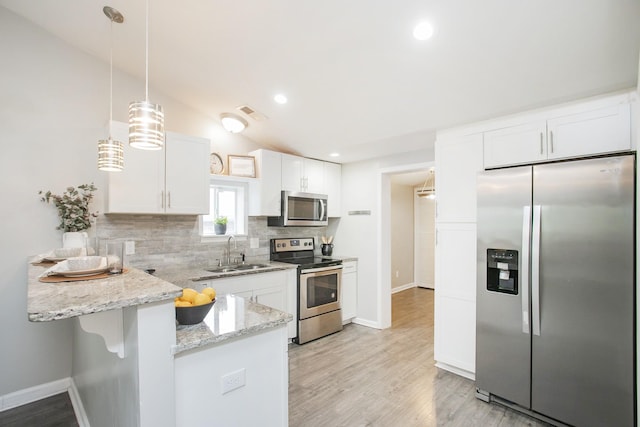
(223, 180)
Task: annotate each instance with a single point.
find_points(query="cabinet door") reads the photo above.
(458, 161)
(313, 176)
(455, 296)
(516, 145)
(271, 297)
(264, 192)
(594, 132)
(187, 174)
(333, 187)
(292, 172)
(139, 187)
(349, 295)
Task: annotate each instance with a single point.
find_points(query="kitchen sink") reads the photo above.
(239, 267)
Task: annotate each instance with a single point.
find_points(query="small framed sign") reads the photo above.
(241, 166)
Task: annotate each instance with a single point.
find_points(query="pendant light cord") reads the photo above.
(146, 71)
(111, 78)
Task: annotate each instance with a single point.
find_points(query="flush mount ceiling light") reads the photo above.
(110, 151)
(146, 120)
(423, 31)
(233, 123)
(428, 191)
(334, 154)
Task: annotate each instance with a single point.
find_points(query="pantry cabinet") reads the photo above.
(265, 191)
(174, 180)
(560, 135)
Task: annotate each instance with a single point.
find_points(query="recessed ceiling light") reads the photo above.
(334, 154)
(280, 99)
(423, 31)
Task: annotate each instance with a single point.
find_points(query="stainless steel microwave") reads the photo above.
(301, 210)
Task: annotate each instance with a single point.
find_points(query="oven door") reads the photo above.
(319, 291)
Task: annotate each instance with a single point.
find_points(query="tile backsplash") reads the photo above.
(165, 240)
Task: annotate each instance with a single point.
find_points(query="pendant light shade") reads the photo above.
(146, 125)
(110, 151)
(428, 190)
(146, 120)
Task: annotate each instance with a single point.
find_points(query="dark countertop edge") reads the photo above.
(217, 339)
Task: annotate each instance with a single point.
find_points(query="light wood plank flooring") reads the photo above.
(367, 377)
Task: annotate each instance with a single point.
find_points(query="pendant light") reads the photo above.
(111, 151)
(146, 120)
(428, 189)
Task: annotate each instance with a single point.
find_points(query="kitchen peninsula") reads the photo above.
(136, 367)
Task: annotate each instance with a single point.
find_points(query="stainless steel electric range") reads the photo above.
(319, 282)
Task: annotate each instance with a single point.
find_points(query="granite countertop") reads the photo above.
(54, 301)
(230, 317)
(185, 276)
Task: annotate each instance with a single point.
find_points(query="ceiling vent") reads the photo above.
(251, 113)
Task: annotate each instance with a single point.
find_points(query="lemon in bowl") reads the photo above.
(193, 306)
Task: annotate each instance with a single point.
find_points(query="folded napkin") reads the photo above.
(63, 267)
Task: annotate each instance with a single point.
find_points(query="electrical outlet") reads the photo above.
(130, 247)
(254, 243)
(397, 274)
(233, 380)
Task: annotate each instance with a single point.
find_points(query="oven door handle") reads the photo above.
(320, 269)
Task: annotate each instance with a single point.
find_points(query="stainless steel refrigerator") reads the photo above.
(555, 298)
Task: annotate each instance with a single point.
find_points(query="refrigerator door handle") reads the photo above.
(524, 267)
(535, 271)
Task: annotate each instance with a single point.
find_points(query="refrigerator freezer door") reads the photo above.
(582, 360)
(502, 319)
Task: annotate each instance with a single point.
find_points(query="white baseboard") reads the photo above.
(78, 407)
(425, 285)
(403, 287)
(31, 394)
(368, 323)
(457, 371)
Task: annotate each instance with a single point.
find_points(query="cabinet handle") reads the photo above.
(551, 135)
(541, 143)
(162, 199)
(168, 199)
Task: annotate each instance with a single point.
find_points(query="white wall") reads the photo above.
(54, 107)
(402, 235)
(425, 227)
(362, 235)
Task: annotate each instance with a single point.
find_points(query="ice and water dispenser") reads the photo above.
(502, 271)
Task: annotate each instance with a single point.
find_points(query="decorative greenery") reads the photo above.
(73, 207)
(222, 220)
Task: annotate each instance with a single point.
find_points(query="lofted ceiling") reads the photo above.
(357, 81)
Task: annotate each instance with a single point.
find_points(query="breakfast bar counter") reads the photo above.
(62, 300)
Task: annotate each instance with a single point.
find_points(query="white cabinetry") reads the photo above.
(458, 160)
(590, 130)
(333, 188)
(174, 180)
(302, 174)
(264, 192)
(349, 293)
(278, 171)
(276, 289)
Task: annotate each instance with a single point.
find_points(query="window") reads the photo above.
(227, 198)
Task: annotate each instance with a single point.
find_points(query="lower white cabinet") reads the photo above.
(276, 289)
(349, 295)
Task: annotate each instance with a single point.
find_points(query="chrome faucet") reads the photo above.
(235, 246)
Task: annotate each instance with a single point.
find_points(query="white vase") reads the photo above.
(75, 239)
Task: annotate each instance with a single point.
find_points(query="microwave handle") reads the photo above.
(322, 209)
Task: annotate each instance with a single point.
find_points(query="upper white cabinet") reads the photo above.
(333, 187)
(264, 192)
(302, 174)
(278, 172)
(174, 180)
(458, 160)
(590, 130)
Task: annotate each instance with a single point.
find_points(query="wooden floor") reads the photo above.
(54, 411)
(367, 377)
